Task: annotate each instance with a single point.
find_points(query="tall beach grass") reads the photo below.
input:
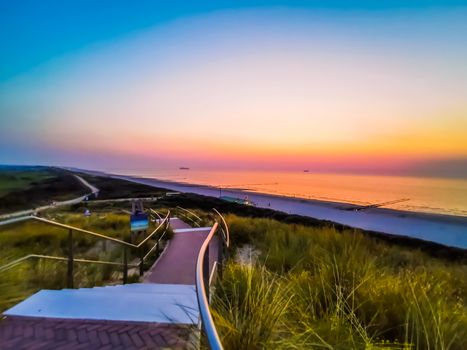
(317, 288)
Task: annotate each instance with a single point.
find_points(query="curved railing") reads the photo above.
(186, 213)
(203, 280)
(202, 292)
(225, 228)
(156, 245)
(159, 217)
(126, 245)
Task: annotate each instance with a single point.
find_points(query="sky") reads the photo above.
(338, 86)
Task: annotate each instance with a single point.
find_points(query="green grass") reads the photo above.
(114, 188)
(36, 186)
(12, 180)
(315, 288)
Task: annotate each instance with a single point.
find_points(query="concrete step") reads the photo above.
(152, 288)
(139, 303)
(193, 229)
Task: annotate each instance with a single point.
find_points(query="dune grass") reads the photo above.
(321, 288)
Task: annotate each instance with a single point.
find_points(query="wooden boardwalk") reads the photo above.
(175, 266)
(178, 263)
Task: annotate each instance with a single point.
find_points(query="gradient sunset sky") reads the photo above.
(359, 86)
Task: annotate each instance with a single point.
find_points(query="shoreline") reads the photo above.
(444, 229)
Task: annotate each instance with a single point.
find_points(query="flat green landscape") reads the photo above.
(19, 179)
(23, 188)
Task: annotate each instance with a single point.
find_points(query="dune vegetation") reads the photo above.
(319, 288)
(23, 188)
(15, 179)
(307, 284)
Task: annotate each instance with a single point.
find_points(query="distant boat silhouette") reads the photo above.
(306, 171)
(184, 168)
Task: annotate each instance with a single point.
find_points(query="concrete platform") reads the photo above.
(145, 288)
(137, 303)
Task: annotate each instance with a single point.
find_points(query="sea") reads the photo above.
(428, 195)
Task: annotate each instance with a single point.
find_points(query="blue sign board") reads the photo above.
(139, 222)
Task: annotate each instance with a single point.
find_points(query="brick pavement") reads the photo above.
(34, 333)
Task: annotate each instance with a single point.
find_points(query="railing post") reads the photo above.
(206, 272)
(141, 261)
(125, 265)
(70, 260)
(158, 244)
(158, 248)
(220, 253)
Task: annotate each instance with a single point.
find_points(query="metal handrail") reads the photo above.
(193, 221)
(198, 219)
(227, 232)
(155, 212)
(189, 212)
(71, 259)
(202, 290)
(155, 230)
(157, 243)
(150, 250)
(13, 263)
(99, 235)
(95, 234)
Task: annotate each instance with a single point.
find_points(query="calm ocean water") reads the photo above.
(432, 195)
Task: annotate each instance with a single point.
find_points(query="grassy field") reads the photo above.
(29, 187)
(114, 188)
(21, 179)
(315, 288)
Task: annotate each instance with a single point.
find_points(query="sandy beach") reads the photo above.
(443, 229)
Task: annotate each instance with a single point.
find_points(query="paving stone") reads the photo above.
(49, 333)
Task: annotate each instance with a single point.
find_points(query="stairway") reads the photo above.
(159, 314)
(139, 302)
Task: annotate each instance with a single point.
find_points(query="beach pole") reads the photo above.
(125, 266)
(220, 253)
(206, 271)
(141, 262)
(70, 260)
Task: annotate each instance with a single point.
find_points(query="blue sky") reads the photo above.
(32, 32)
(332, 84)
